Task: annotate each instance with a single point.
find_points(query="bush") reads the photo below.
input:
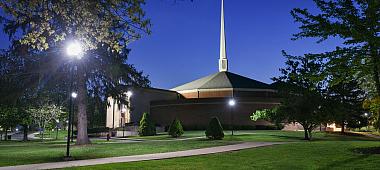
(175, 129)
(214, 130)
(147, 127)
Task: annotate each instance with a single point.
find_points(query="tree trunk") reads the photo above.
(82, 136)
(342, 127)
(310, 135)
(25, 138)
(306, 130)
(306, 134)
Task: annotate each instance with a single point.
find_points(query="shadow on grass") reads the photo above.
(339, 163)
(367, 151)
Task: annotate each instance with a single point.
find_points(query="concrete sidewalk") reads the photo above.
(145, 157)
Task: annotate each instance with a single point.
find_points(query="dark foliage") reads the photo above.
(146, 127)
(176, 129)
(214, 130)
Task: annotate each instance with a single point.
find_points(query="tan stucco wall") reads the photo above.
(139, 103)
(110, 116)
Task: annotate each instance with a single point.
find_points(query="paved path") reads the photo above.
(145, 157)
(368, 135)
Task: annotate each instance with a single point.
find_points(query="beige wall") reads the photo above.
(113, 116)
(139, 103)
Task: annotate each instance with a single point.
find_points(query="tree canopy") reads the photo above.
(356, 23)
(40, 31)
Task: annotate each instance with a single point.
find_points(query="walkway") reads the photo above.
(368, 134)
(145, 157)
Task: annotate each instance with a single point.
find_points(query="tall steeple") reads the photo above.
(223, 63)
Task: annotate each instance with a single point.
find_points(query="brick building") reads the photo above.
(194, 103)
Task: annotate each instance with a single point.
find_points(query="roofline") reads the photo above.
(225, 89)
(152, 88)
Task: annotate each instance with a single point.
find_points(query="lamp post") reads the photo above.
(232, 103)
(74, 50)
(56, 135)
(366, 115)
(73, 96)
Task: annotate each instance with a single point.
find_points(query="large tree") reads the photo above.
(302, 99)
(357, 23)
(43, 28)
(346, 100)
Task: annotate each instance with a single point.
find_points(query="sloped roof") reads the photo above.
(223, 80)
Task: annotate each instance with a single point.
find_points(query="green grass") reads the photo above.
(52, 134)
(165, 136)
(17, 153)
(290, 136)
(301, 155)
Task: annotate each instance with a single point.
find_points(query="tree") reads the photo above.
(104, 28)
(25, 122)
(175, 129)
(346, 100)
(8, 118)
(45, 115)
(301, 94)
(214, 130)
(356, 22)
(373, 106)
(146, 127)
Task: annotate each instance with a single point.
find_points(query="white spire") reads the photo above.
(223, 63)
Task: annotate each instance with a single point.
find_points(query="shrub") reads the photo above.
(146, 127)
(214, 130)
(175, 129)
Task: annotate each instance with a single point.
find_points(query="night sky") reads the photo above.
(184, 44)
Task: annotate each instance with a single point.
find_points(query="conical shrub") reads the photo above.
(175, 129)
(147, 127)
(214, 130)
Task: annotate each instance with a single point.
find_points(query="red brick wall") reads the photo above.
(197, 112)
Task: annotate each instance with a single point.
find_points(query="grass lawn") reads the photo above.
(325, 147)
(18, 153)
(301, 155)
(53, 134)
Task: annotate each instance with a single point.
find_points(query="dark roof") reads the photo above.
(223, 80)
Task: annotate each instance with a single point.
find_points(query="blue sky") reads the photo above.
(184, 44)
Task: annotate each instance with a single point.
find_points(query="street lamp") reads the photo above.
(232, 103)
(366, 115)
(74, 95)
(129, 94)
(74, 49)
(56, 135)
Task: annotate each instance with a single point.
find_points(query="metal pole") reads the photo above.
(69, 123)
(232, 124)
(72, 122)
(56, 135)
